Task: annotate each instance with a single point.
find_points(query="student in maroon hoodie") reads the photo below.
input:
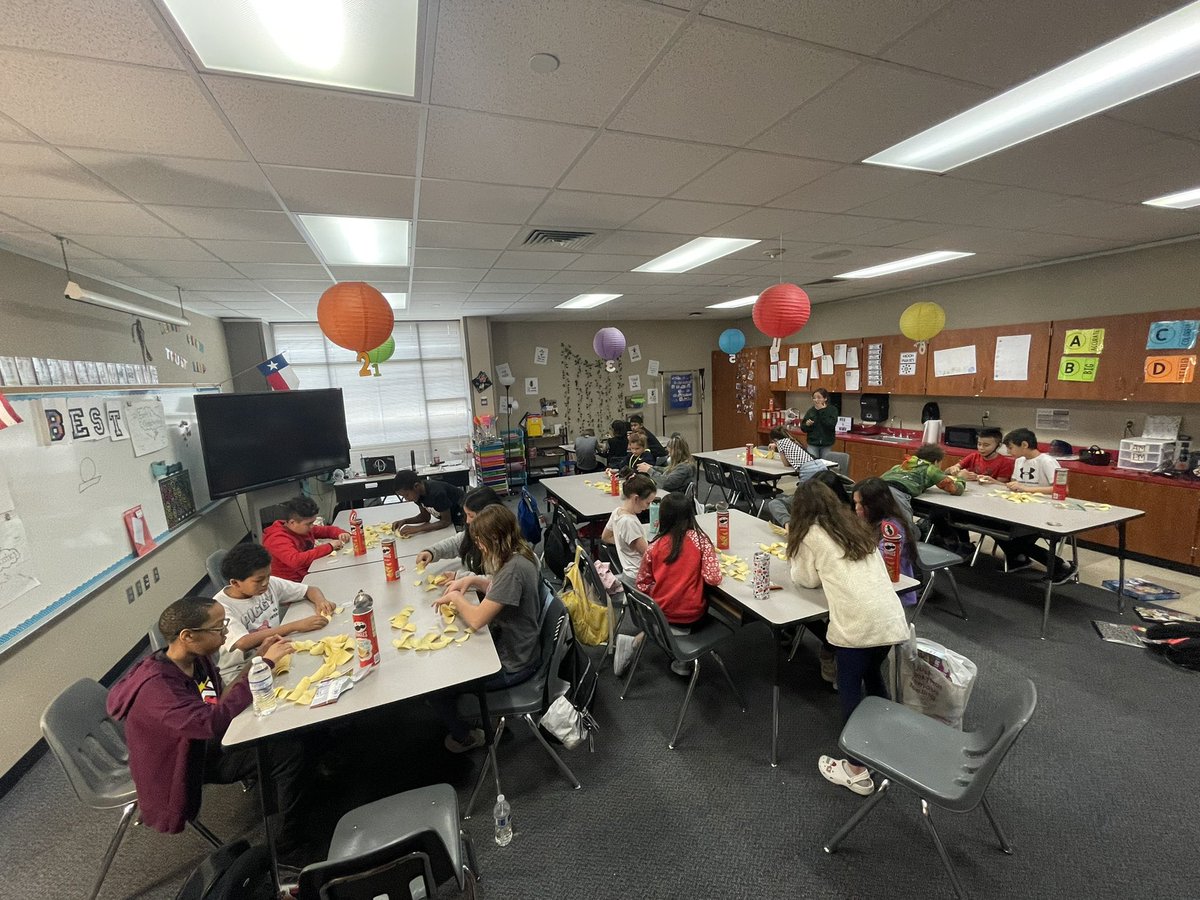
(176, 711)
(292, 542)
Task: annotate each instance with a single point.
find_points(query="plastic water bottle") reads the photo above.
(502, 813)
(262, 687)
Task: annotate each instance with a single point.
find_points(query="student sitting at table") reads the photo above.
(917, 474)
(616, 448)
(435, 497)
(254, 600)
(292, 542)
(874, 503)
(624, 529)
(638, 454)
(680, 470)
(831, 548)
(796, 456)
(462, 546)
(176, 708)
(677, 566)
(1033, 473)
(511, 606)
(585, 451)
(780, 509)
(986, 464)
(637, 425)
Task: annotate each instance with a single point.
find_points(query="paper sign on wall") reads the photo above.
(826, 364)
(679, 390)
(652, 368)
(908, 364)
(814, 370)
(782, 366)
(635, 352)
(774, 354)
(817, 351)
(652, 396)
(851, 357)
(1170, 369)
(504, 373)
(1178, 335)
(1080, 368)
(852, 380)
(635, 382)
(1012, 358)
(839, 354)
(541, 356)
(801, 376)
(954, 361)
(793, 356)
(1087, 341)
(531, 386)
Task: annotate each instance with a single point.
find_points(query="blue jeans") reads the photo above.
(859, 667)
(445, 703)
(819, 452)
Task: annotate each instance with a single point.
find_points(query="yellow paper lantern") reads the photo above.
(922, 321)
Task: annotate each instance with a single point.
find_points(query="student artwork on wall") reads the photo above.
(635, 382)
(635, 353)
(541, 356)
(652, 396)
(139, 531)
(179, 503)
(16, 569)
(146, 424)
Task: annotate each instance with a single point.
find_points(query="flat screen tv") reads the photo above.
(252, 441)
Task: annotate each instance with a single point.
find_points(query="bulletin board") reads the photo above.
(63, 528)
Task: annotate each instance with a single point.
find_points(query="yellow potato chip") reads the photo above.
(303, 645)
(318, 648)
(409, 626)
(440, 643)
(408, 610)
(450, 629)
(417, 583)
(307, 697)
(282, 666)
(400, 645)
(344, 656)
(462, 639)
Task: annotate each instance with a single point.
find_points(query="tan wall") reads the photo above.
(1163, 277)
(86, 641)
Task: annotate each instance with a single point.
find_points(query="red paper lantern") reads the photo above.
(355, 315)
(781, 310)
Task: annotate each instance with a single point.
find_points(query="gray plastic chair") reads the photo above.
(933, 559)
(685, 648)
(423, 821)
(946, 767)
(213, 565)
(91, 749)
(386, 873)
(745, 489)
(529, 698)
(842, 460)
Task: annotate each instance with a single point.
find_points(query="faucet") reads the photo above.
(891, 422)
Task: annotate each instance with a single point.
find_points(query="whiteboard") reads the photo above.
(62, 525)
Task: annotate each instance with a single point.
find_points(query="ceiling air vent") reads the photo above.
(558, 239)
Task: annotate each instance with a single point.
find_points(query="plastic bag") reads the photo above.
(933, 679)
(612, 584)
(565, 722)
(589, 619)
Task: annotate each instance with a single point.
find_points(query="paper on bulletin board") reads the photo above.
(826, 364)
(1078, 368)
(782, 366)
(851, 357)
(852, 380)
(1177, 335)
(801, 376)
(1012, 358)
(954, 361)
(774, 353)
(1170, 369)
(817, 351)
(146, 424)
(16, 566)
(1085, 341)
(793, 356)
(839, 354)
(814, 370)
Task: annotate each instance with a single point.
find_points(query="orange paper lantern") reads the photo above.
(355, 315)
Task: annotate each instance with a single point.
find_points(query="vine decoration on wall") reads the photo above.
(591, 396)
(745, 390)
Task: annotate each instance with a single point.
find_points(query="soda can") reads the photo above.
(1059, 491)
(722, 529)
(391, 562)
(749, 454)
(760, 575)
(357, 535)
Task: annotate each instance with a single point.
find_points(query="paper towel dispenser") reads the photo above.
(873, 407)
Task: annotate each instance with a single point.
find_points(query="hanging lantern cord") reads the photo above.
(62, 244)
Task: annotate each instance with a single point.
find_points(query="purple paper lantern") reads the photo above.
(609, 344)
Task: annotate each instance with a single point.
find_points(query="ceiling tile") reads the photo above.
(501, 287)
(535, 259)
(571, 276)
(687, 217)
(836, 229)
(343, 193)
(187, 268)
(106, 268)
(468, 235)
(276, 271)
(606, 262)
(425, 274)
(864, 26)
(998, 240)
(81, 217)
(122, 32)
(580, 209)
(1161, 110)
(227, 224)
(375, 275)
(633, 164)
(301, 126)
(1113, 221)
(518, 276)
(944, 199)
(293, 286)
(482, 59)
(767, 223)
(134, 248)
(473, 259)
(11, 131)
(112, 106)
(187, 182)
(261, 251)
(754, 178)
(699, 90)
(36, 170)
(850, 187)
(640, 243)
(479, 147)
(468, 201)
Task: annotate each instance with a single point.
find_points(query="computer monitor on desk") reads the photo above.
(379, 465)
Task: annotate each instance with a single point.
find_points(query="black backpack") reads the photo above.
(558, 551)
(1184, 649)
(235, 871)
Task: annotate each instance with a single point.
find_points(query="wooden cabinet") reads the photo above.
(1167, 531)
(867, 459)
(893, 381)
(732, 425)
(983, 382)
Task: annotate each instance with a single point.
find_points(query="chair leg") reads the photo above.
(492, 763)
(637, 657)
(733, 687)
(203, 831)
(472, 866)
(924, 596)
(962, 610)
(687, 698)
(562, 766)
(987, 809)
(800, 629)
(127, 816)
(927, 818)
(861, 813)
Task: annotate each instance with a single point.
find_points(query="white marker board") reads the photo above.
(69, 500)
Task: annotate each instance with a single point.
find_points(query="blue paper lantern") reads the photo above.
(731, 341)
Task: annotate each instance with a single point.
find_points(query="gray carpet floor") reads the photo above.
(1097, 796)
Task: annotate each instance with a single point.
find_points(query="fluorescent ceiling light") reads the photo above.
(396, 301)
(695, 253)
(74, 292)
(1148, 59)
(349, 241)
(733, 304)
(903, 265)
(1182, 200)
(587, 301)
(339, 43)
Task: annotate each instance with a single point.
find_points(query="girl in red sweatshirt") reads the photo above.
(679, 563)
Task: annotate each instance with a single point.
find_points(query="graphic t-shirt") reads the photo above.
(254, 614)
(1037, 472)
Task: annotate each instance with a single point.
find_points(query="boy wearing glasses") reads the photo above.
(176, 709)
(254, 600)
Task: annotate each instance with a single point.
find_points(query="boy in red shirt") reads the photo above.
(988, 461)
(292, 542)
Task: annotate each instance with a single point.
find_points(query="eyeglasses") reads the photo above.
(224, 624)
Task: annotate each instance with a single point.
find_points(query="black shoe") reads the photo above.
(1017, 563)
(1065, 573)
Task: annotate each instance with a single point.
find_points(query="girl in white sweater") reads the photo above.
(830, 547)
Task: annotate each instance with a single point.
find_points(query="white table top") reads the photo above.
(372, 515)
(587, 502)
(1048, 516)
(786, 605)
(401, 674)
(770, 468)
(445, 468)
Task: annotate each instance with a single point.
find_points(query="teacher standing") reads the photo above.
(820, 424)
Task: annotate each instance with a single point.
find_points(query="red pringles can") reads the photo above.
(357, 535)
(391, 562)
(614, 486)
(749, 454)
(1059, 491)
(891, 546)
(722, 527)
(366, 641)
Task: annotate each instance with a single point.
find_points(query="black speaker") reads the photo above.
(873, 407)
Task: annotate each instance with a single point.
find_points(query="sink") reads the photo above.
(889, 438)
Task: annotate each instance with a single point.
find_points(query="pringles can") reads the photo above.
(391, 562)
(891, 545)
(760, 574)
(357, 535)
(722, 526)
(749, 454)
(614, 486)
(1059, 491)
(366, 641)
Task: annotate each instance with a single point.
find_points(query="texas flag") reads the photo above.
(8, 415)
(279, 374)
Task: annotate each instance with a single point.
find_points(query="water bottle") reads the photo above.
(262, 687)
(502, 813)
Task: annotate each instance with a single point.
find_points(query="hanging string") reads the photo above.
(62, 245)
(139, 335)
(182, 315)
